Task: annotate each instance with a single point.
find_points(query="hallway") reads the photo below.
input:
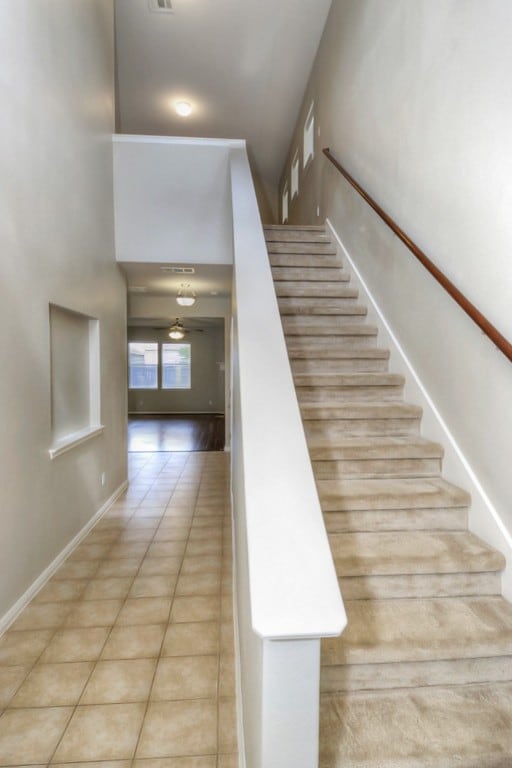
(127, 652)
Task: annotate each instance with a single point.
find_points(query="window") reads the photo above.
(309, 136)
(147, 369)
(175, 366)
(295, 175)
(284, 205)
(142, 365)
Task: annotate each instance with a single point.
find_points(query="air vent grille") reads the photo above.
(179, 270)
(160, 6)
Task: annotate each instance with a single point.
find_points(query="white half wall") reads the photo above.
(172, 200)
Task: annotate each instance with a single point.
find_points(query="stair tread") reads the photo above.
(296, 236)
(308, 334)
(406, 630)
(288, 247)
(390, 493)
(299, 289)
(302, 312)
(309, 260)
(378, 379)
(294, 227)
(381, 447)
(315, 351)
(457, 727)
(316, 275)
(412, 552)
(354, 411)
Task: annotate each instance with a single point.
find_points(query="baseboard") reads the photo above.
(175, 413)
(13, 612)
(484, 518)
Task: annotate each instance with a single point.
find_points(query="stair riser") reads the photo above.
(305, 274)
(354, 365)
(327, 470)
(307, 248)
(348, 394)
(311, 290)
(420, 586)
(332, 428)
(361, 677)
(311, 261)
(327, 329)
(340, 346)
(302, 311)
(444, 519)
(297, 236)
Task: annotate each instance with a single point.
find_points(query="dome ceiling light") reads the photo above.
(183, 108)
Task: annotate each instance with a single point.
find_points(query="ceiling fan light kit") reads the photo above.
(177, 331)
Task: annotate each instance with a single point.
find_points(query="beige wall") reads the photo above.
(414, 98)
(56, 245)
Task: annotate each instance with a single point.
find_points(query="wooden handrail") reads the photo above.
(483, 323)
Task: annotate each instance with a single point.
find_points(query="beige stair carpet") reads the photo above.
(422, 676)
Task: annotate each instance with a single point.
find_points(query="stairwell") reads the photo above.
(422, 676)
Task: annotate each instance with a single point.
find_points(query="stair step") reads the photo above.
(313, 388)
(402, 553)
(376, 520)
(309, 260)
(409, 638)
(419, 586)
(309, 248)
(304, 310)
(296, 235)
(331, 420)
(460, 727)
(333, 326)
(356, 363)
(375, 457)
(349, 332)
(354, 380)
(305, 274)
(301, 288)
(390, 493)
(294, 227)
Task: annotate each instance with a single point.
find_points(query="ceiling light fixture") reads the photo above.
(183, 108)
(186, 296)
(177, 330)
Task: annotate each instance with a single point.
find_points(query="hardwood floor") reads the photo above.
(187, 432)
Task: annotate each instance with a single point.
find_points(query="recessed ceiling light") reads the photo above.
(183, 108)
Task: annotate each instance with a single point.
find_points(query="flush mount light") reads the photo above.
(177, 330)
(183, 108)
(186, 296)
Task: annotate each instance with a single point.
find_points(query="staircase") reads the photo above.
(422, 676)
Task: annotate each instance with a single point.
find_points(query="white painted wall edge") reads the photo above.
(192, 141)
(484, 519)
(13, 613)
(239, 699)
(293, 585)
(76, 438)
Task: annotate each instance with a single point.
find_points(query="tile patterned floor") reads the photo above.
(125, 657)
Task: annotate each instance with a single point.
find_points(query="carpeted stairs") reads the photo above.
(422, 676)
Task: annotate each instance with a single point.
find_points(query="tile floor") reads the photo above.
(125, 657)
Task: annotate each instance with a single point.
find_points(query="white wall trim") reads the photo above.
(135, 138)
(482, 510)
(12, 614)
(76, 438)
(239, 699)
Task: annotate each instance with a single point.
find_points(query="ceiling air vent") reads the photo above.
(160, 6)
(179, 270)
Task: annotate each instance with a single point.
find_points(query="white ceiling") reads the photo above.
(242, 64)
(207, 280)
